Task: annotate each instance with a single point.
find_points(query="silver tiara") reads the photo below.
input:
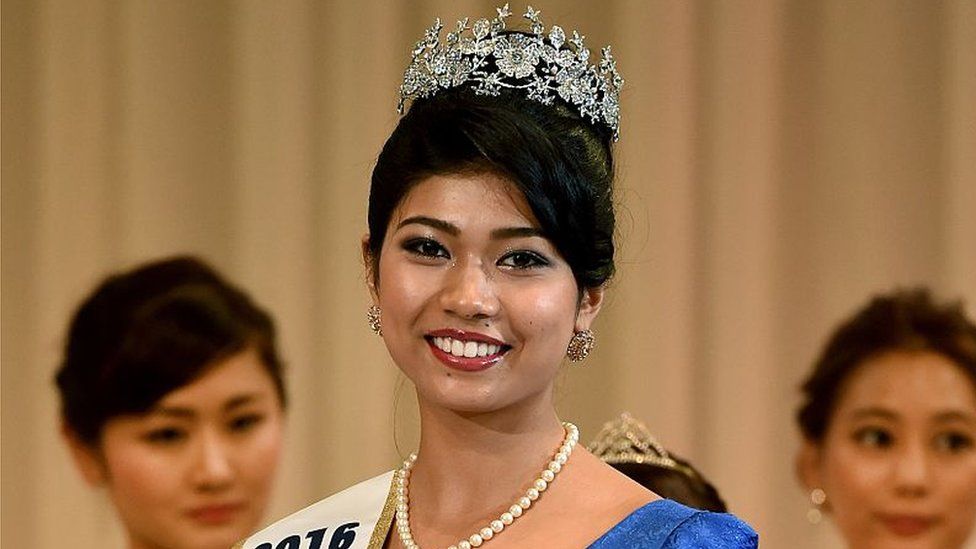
(489, 59)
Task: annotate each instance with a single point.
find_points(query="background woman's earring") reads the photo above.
(580, 346)
(373, 318)
(818, 498)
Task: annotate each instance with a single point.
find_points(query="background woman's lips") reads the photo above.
(907, 525)
(215, 514)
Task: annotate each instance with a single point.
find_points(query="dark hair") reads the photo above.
(146, 332)
(562, 164)
(903, 320)
(683, 483)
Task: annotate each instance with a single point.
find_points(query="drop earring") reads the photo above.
(580, 345)
(373, 318)
(818, 498)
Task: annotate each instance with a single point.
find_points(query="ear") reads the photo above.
(807, 465)
(370, 270)
(87, 458)
(589, 307)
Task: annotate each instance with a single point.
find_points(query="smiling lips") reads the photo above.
(466, 351)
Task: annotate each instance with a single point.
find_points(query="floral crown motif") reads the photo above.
(627, 440)
(544, 66)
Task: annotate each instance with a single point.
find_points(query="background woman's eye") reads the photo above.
(166, 435)
(426, 247)
(953, 442)
(523, 260)
(245, 422)
(874, 437)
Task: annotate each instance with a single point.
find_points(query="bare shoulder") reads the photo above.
(586, 487)
(608, 492)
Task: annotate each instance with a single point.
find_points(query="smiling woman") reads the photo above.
(172, 400)
(490, 244)
(889, 424)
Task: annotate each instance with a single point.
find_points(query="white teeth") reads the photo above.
(467, 349)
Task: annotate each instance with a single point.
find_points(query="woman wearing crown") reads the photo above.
(490, 242)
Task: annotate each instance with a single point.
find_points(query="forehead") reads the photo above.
(239, 374)
(909, 382)
(467, 199)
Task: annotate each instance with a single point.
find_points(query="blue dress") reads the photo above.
(665, 524)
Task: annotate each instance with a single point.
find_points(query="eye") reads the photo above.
(523, 260)
(166, 435)
(245, 422)
(953, 442)
(874, 437)
(427, 248)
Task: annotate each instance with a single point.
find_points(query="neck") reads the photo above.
(478, 463)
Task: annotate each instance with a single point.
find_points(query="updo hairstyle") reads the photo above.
(146, 332)
(904, 320)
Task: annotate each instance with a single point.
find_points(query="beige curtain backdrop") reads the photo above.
(779, 162)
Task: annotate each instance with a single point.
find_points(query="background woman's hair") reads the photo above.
(561, 163)
(683, 483)
(903, 320)
(148, 331)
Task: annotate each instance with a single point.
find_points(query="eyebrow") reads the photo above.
(954, 415)
(940, 417)
(453, 230)
(438, 224)
(874, 411)
(233, 403)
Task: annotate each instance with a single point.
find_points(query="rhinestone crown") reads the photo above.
(489, 59)
(627, 440)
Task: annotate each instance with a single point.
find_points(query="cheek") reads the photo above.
(140, 477)
(403, 290)
(959, 480)
(262, 454)
(546, 307)
(852, 479)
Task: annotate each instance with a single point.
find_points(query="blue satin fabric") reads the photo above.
(665, 524)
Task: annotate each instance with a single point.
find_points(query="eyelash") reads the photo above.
(165, 436)
(430, 249)
(537, 261)
(421, 247)
(245, 422)
(951, 442)
(880, 438)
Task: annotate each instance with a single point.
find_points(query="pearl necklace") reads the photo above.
(402, 481)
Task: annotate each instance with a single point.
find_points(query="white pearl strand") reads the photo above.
(506, 518)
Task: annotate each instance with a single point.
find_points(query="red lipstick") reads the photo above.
(467, 364)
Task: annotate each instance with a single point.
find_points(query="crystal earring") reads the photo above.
(373, 318)
(580, 346)
(818, 498)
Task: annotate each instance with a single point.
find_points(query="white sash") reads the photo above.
(358, 517)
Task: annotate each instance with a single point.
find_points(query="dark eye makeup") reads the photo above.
(522, 260)
(426, 247)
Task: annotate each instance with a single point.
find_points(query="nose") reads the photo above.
(469, 291)
(913, 470)
(213, 463)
